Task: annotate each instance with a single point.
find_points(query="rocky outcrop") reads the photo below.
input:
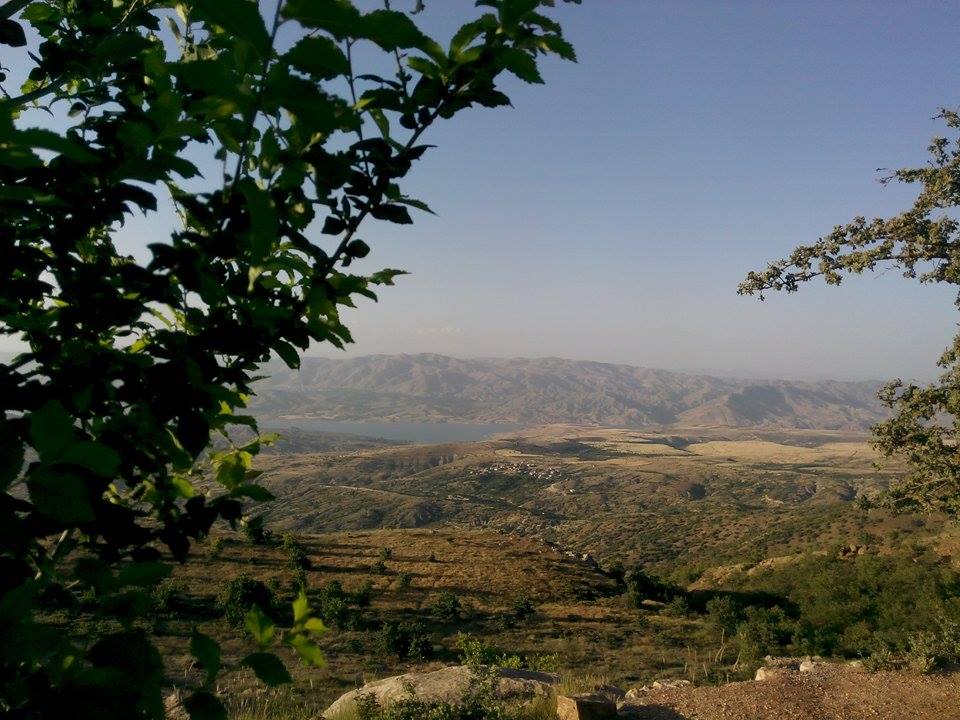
(452, 685)
(585, 706)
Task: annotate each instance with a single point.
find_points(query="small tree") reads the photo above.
(923, 243)
(263, 149)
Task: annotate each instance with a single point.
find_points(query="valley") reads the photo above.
(681, 501)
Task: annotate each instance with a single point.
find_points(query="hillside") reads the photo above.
(552, 390)
(683, 499)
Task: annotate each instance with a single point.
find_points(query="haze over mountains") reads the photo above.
(437, 388)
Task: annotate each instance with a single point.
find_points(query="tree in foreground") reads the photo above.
(254, 121)
(923, 242)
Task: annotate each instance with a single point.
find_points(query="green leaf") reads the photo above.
(49, 140)
(96, 457)
(319, 57)
(204, 705)
(268, 668)
(11, 454)
(520, 64)
(240, 18)
(11, 33)
(338, 17)
(288, 353)
(143, 574)
(308, 650)
(263, 219)
(393, 213)
(259, 625)
(51, 430)
(301, 607)
(392, 30)
(207, 652)
(61, 496)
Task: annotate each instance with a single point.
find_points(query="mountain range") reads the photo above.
(525, 391)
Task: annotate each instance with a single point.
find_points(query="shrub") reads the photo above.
(216, 547)
(378, 568)
(404, 579)
(340, 608)
(296, 556)
(642, 586)
(256, 531)
(677, 607)
(237, 596)
(523, 609)
(408, 640)
(723, 614)
(447, 607)
(762, 632)
(164, 593)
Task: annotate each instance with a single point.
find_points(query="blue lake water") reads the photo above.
(418, 432)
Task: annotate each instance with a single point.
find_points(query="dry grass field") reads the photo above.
(579, 627)
(680, 500)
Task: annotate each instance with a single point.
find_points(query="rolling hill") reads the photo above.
(528, 392)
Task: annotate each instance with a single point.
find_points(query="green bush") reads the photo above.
(378, 568)
(763, 631)
(296, 556)
(408, 640)
(237, 596)
(723, 614)
(447, 607)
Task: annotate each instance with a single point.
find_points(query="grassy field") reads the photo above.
(579, 627)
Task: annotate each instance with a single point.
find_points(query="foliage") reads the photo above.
(446, 607)
(297, 557)
(240, 594)
(922, 242)
(256, 531)
(871, 605)
(408, 640)
(340, 608)
(131, 366)
(480, 656)
(642, 586)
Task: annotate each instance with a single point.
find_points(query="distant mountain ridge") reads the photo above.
(438, 388)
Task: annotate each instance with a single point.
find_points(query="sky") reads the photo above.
(610, 214)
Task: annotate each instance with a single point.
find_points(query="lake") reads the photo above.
(418, 432)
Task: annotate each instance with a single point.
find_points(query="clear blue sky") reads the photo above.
(611, 213)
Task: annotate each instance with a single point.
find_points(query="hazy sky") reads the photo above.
(610, 215)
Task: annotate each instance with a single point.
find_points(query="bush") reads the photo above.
(477, 655)
(523, 609)
(677, 607)
(723, 614)
(164, 594)
(642, 586)
(296, 556)
(237, 596)
(256, 531)
(407, 640)
(447, 607)
(339, 608)
(763, 632)
(378, 568)
(404, 579)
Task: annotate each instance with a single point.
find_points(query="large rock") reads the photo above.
(450, 685)
(585, 707)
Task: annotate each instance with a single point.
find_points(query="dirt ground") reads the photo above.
(838, 693)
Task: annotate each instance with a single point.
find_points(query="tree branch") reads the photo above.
(11, 8)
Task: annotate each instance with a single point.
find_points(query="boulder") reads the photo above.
(585, 706)
(452, 685)
(772, 673)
